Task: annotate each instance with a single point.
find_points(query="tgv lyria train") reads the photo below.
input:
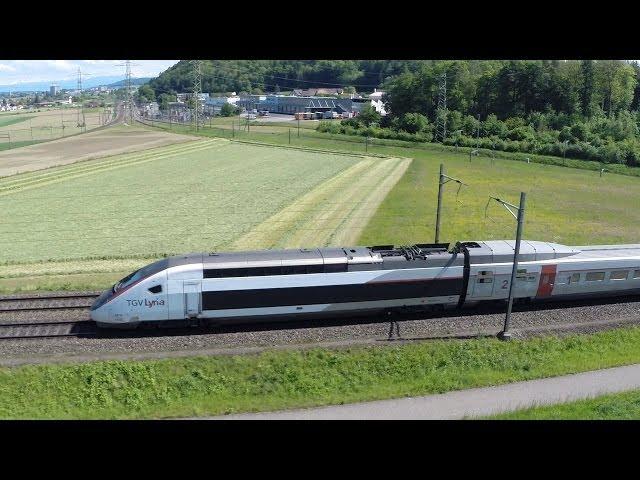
(216, 288)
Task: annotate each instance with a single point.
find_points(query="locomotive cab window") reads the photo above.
(595, 276)
(156, 289)
(619, 275)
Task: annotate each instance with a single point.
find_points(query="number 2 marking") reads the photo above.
(504, 284)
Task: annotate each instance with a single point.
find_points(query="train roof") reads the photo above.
(299, 256)
(500, 251)
(390, 256)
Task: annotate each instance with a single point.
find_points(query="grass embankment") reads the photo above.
(617, 406)
(287, 379)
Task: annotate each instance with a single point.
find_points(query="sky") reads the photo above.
(19, 71)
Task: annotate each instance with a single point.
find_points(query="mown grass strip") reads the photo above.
(4, 122)
(83, 165)
(81, 171)
(182, 387)
(616, 406)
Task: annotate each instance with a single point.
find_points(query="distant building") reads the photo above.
(314, 92)
(213, 105)
(179, 111)
(54, 90)
(376, 101)
(292, 104)
(150, 109)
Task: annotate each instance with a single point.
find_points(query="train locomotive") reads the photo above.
(253, 286)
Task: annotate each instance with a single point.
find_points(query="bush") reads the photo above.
(229, 110)
(413, 123)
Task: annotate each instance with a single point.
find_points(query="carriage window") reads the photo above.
(636, 274)
(595, 276)
(575, 278)
(485, 276)
(619, 275)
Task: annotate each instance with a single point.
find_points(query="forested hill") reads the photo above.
(258, 76)
(587, 109)
(502, 87)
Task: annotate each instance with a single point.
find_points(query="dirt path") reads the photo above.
(334, 212)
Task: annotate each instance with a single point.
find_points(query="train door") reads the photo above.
(547, 280)
(483, 285)
(192, 297)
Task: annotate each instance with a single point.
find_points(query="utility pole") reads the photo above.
(441, 112)
(441, 182)
(81, 118)
(478, 135)
(505, 334)
(129, 101)
(196, 89)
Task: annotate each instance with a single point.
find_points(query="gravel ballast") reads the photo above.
(551, 319)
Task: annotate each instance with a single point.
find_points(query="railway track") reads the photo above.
(10, 331)
(48, 328)
(48, 302)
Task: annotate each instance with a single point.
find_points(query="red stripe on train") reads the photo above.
(547, 279)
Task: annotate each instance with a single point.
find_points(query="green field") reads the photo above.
(87, 224)
(618, 406)
(567, 205)
(273, 380)
(264, 197)
(180, 198)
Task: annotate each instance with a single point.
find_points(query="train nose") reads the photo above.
(100, 315)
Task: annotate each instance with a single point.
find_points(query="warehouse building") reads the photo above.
(292, 104)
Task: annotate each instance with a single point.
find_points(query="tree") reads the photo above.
(587, 87)
(145, 94)
(164, 100)
(228, 110)
(413, 123)
(369, 115)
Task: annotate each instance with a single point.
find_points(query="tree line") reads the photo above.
(583, 108)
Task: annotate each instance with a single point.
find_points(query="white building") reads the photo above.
(150, 109)
(376, 101)
(212, 105)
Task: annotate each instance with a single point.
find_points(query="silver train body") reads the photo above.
(242, 287)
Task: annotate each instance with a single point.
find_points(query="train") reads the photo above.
(219, 288)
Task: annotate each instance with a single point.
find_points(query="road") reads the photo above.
(474, 402)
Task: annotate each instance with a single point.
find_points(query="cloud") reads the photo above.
(20, 71)
(61, 64)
